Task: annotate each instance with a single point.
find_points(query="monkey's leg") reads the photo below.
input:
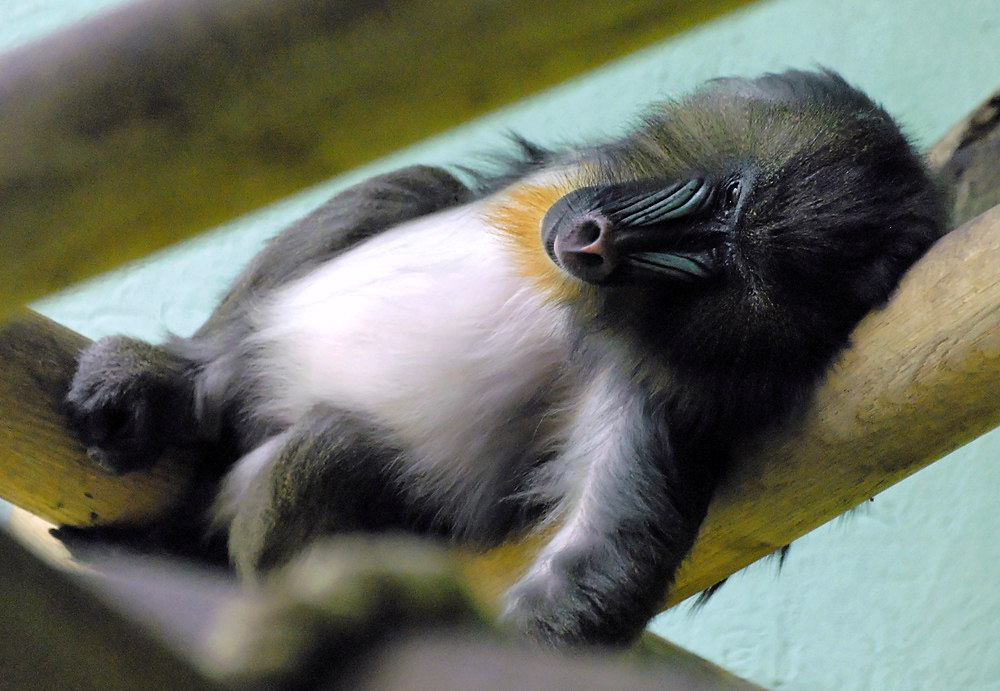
(627, 525)
(338, 598)
(130, 400)
(333, 471)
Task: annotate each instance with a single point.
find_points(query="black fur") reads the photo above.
(812, 204)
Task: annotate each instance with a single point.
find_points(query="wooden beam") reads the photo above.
(968, 159)
(163, 118)
(920, 381)
(56, 635)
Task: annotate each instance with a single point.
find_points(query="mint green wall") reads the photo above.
(903, 593)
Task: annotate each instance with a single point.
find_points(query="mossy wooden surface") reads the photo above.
(164, 118)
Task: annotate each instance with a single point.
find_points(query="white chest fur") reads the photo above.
(427, 327)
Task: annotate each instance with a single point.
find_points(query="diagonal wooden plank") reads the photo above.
(920, 380)
(46, 470)
(166, 117)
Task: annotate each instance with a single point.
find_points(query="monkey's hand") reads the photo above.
(128, 401)
(553, 604)
(622, 535)
(339, 597)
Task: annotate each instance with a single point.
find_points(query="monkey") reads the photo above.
(576, 343)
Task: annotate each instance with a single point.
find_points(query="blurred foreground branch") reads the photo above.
(160, 119)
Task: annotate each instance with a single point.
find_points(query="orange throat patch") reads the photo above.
(516, 214)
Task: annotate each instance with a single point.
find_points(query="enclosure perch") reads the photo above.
(920, 380)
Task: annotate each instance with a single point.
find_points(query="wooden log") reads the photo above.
(968, 159)
(163, 118)
(56, 635)
(43, 468)
(920, 380)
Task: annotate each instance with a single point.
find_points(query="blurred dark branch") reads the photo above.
(162, 118)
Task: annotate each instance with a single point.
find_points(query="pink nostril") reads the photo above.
(584, 248)
(589, 234)
(586, 234)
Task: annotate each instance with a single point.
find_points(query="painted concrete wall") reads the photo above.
(901, 594)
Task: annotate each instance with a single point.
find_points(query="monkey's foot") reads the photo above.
(549, 609)
(128, 400)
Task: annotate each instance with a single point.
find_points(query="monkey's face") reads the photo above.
(744, 224)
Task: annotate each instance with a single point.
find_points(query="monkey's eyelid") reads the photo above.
(663, 205)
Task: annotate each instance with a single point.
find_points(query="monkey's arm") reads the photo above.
(629, 520)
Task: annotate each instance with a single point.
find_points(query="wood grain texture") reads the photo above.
(967, 158)
(164, 118)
